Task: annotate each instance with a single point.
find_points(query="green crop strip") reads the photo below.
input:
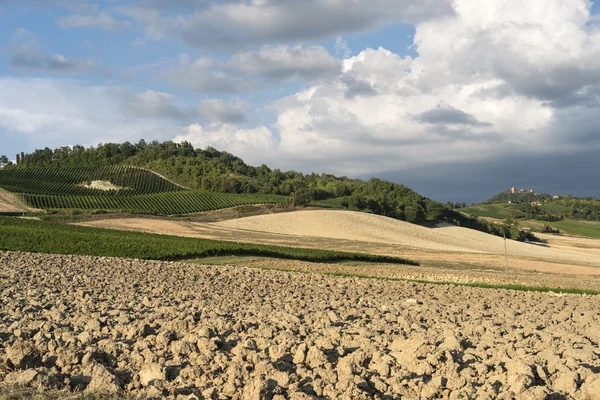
(53, 237)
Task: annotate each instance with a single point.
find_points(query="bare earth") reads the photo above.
(102, 185)
(154, 329)
(9, 203)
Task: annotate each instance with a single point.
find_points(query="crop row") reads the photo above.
(73, 181)
(52, 237)
(167, 203)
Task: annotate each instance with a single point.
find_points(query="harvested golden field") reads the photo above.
(364, 227)
(152, 330)
(568, 262)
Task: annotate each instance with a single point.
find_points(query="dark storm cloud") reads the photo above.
(575, 174)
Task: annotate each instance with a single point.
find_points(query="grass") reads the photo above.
(504, 210)
(582, 228)
(497, 211)
(53, 237)
(242, 260)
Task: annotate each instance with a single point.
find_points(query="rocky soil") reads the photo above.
(154, 329)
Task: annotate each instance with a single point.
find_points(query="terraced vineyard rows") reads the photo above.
(167, 203)
(141, 191)
(72, 181)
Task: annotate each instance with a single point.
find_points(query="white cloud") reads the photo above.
(100, 20)
(235, 23)
(216, 110)
(285, 62)
(67, 112)
(27, 55)
(484, 85)
(149, 104)
(250, 144)
(203, 75)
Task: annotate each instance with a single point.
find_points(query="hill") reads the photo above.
(212, 171)
(355, 226)
(541, 212)
(518, 197)
(115, 188)
(545, 208)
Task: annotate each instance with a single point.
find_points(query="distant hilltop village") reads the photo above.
(514, 190)
(537, 202)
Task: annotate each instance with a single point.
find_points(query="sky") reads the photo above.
(457, 99)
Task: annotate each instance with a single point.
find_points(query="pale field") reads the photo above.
(8, 203)
(446, 253)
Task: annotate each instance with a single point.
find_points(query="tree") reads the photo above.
(3, 160)
(304, 196)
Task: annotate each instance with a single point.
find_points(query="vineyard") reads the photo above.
(130, 189)
(73, 181)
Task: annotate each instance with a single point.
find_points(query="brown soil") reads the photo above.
(101, 185)
(155, 330)
(9, 203)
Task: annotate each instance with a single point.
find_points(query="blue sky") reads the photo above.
(393, 88)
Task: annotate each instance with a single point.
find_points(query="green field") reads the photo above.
(498, 211)
(53, 237)
(138, 191)
(567, 226)
(580, 228)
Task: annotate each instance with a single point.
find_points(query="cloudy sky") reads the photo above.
(458, 99)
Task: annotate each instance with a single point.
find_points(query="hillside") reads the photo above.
(518, 197)
(363, 227)
(115, 188)
(545, 213)
(210, 171)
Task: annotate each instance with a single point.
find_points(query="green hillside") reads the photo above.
(568, 214)
(116, 188)
(518, 197)
(63, 178)
(78, 181)
(498, 211)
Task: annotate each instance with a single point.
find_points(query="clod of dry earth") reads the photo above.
(152, 329)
